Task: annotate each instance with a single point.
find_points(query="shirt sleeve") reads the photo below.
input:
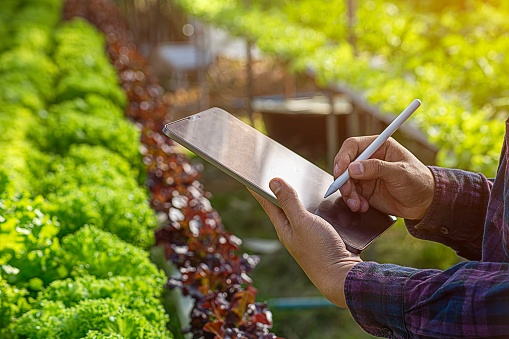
(457, 212)
(468, 300)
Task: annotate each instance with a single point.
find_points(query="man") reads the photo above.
(460, 209)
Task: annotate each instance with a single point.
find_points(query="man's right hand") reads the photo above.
(393, 180)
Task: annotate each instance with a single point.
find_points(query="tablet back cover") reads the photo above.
(254, 159)
(250, 156)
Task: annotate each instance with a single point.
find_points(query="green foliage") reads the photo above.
(77, 36)
(121, 211)
(23, 65)
(141, 295)
(12, 304)
(111, 317)
(63, 129)
(93, 185)
(89, 165)
(79, 84)
(452, 62)
(102, 335)
(91, 104)
(276, 36)
(15, 90)
(43, 13)
(84, 67)
(8, 9)
(102, 254)
(32, 38)
(82, 156)
(30, 23)
(30, 250)
(15, 122)
(21, 166)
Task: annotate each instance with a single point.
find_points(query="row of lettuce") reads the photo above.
(393, 52)
(75, 222)
(192, 238)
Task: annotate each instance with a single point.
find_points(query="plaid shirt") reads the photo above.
(470, 214)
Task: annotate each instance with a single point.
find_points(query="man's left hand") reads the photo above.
(312, 242)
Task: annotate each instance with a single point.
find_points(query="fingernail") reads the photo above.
(352, 203)
(336, 170)
(356, 168)
(275, 186)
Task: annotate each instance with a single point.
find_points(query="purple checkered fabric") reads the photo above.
(470, 214)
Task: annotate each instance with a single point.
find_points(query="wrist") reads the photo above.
(426, 195)
(335, 291)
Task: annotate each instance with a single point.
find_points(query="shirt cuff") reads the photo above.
(374, 295)
(456, 214)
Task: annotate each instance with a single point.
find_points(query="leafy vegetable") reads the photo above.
(140, 294)
(89, 165)
(79, 84)
(102, 254)
(102, 335)
(124, 212)
(111, 317)
(30, 66)
(90, 104)
(83, 156)
(85, 68)
(80, 49)
(21, 165)
(12, 304)
(63, 129)
(15, 90)
(193, 236)
(30, 253)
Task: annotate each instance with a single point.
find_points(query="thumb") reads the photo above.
(288, 200)
(372, 169)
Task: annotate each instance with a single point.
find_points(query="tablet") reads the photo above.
(254, 159)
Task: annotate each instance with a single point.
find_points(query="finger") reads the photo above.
(364, 204)
(289, 201)
(275, 214)
(376, 169)
(277, 217)
(346, 189)
(354, 201)
(351, 196)
(349, 151)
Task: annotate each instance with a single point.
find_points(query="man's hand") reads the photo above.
(393, 180)
(312, 242)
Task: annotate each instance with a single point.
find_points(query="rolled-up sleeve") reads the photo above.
(468, 300)
(457, 213)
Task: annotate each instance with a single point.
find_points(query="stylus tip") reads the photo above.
(331, 190)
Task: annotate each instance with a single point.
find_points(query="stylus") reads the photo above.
(368, 152)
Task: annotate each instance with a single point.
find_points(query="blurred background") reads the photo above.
(312, 73)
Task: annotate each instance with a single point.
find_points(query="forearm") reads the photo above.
(456, 215)
(400, 302)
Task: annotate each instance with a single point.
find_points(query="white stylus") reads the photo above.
(368, 152)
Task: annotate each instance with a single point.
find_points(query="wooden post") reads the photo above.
(289, 84)
(249, 80)
(353, 120)
(332, 131)
(249, 74)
